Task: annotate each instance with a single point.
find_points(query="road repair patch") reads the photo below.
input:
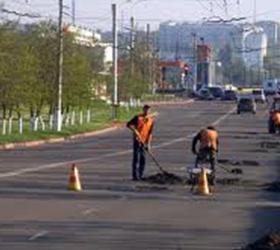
(172, 179)
(166, 178)
(239, 162)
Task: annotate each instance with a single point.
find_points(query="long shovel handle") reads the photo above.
(155, 161)
(149, 152)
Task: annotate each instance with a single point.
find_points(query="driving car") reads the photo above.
(217, 92)
(259, 95)
(246, 104)
(229, 95)
(204, 94)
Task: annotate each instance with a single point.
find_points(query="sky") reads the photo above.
(96, 14)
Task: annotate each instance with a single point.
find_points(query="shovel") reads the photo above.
(151, 154)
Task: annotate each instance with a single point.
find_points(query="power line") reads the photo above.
(20, 14)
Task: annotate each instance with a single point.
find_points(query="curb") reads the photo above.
(31, 144)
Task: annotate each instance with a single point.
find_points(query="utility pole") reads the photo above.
(132, 45)
(149, 54)
(73, 12)
(148, 31)
(115, 61)
(194, 59)
(255, 12)
(58, 120)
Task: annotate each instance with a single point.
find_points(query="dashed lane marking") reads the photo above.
(38, 235)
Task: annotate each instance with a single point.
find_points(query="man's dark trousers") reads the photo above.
(139, 161)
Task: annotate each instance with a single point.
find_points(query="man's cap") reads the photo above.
(211, 127)
(146, 106)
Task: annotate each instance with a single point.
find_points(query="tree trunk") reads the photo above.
(88, 116)
(10, 125)
(81, 120)
(73, 118)
(67, 116)
(35, 123)
(31, 120)
(51, 116)
(51, 121)
(67, 119)
(20, 124)
(42, 123)
(10, 121)
(4, 126)
(4, 121)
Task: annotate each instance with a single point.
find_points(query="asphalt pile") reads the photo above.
(273, 186)
(268, 242)
(165, 178)
(236, 171)
(229, 181)
(238, 163)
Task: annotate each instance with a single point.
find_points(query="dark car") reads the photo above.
(216, 92)
(246, 104)
(204, 94)
(229, 95)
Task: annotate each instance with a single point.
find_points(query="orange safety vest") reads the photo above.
(208, 139)
(144, 126)
(276, 118)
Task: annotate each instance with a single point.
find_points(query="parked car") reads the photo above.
(274, 115)
(229, 95)
(216, 91)
(205, 94)
(246, 104)
(259, 95)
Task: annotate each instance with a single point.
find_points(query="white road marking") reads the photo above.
(217, 122)
(124, 152)
(38, 235)
(59, 164)
(268, 204)
(90, 211)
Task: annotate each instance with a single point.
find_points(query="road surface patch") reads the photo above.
(162, 178)
(239, 162)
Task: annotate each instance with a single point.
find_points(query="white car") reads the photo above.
(259, 95)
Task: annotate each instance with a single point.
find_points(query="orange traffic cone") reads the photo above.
(203, 188)
(74, 179)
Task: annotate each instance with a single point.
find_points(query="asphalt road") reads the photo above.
(112, 212)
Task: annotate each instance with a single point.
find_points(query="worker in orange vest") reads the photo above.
(142, 127)
(276, 118)
(209, 146)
